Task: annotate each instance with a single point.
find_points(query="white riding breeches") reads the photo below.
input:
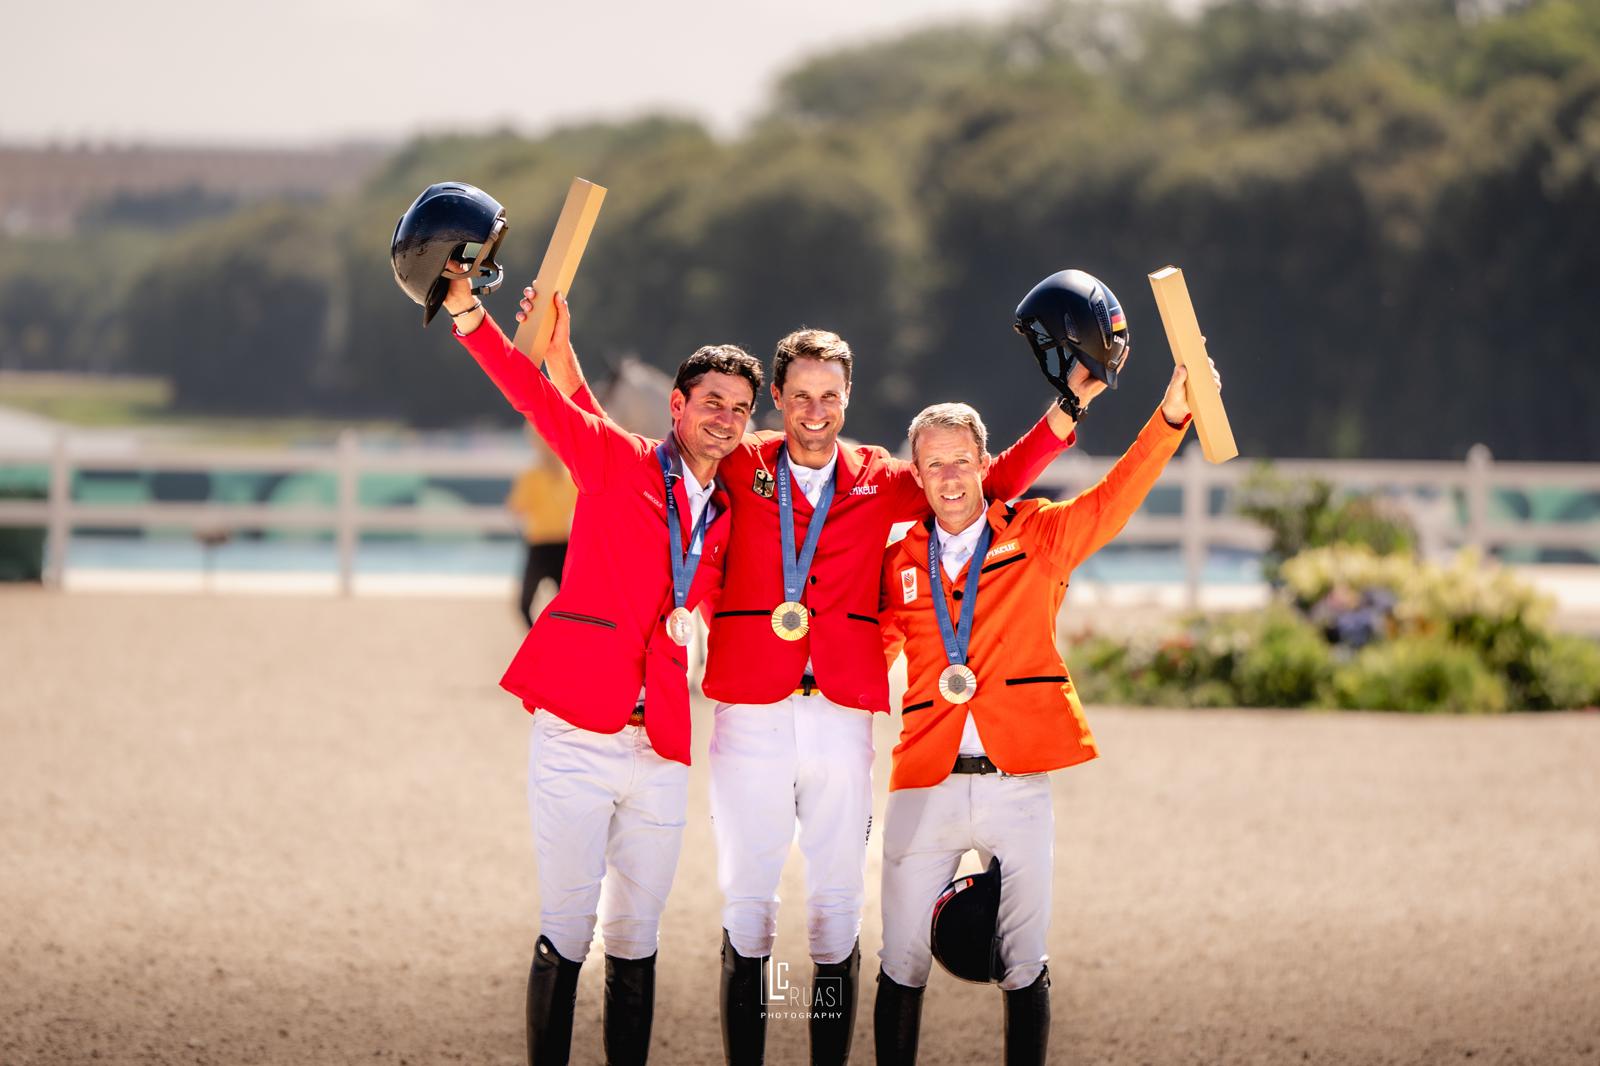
(796, 770)
(608, 816)
(927, 830)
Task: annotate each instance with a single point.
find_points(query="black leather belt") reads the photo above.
(808, 686)
(974, 764)
(637, 717)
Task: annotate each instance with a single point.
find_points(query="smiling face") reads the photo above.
(710, 420)
(812, 402)
(950, 466)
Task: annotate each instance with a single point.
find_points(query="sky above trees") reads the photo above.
(313, 71)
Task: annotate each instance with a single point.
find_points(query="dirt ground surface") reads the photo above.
(274, 830)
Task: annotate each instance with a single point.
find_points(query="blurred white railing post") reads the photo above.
(1479, 463)
(349, 497)
(1196, 509)
(59, 529)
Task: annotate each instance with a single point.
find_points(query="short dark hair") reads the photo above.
(721, 359)
(811, 344)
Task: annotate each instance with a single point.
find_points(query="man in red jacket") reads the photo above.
(796, 665)
(604, 670)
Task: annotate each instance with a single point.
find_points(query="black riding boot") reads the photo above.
(1028, 1023)
(896, 1021)
(552, 995)
(744, 1016)
(833, 1009)
(630, 1007)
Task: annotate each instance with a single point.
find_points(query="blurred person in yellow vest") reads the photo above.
(543, 497)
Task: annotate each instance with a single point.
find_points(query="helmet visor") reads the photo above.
(1037, 335)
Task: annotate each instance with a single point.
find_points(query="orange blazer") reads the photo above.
(1027, 712)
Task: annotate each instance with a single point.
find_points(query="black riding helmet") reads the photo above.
(1070, 317)
(964, 936)
(450, 220)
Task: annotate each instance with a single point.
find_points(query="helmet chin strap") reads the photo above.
(491, 281)
(484, 279)
(484, 266)
(1063, 361)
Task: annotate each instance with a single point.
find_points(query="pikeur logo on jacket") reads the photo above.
(747, 662)
(603, 636)
(1027, 712)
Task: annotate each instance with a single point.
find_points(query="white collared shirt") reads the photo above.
(699, 495)
(954, 551)
(956, 548)
(812, 481)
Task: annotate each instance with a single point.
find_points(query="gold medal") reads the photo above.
(790, 620)
(680, 626)
(958, 683)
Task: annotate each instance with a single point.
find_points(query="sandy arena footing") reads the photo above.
(292, 830)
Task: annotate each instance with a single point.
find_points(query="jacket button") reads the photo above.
(813, 612)
(813, 579)
(956, 594)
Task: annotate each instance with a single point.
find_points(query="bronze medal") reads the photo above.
(958, 683)
(790, 620)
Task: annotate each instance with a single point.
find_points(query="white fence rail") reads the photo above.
(60, 514)
(1440, 529)
(1452, 488)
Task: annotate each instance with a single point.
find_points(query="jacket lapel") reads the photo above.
(999, 518)
(849, 471)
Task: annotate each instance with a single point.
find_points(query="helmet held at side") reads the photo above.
(965, 937)
(451, 220)
(1072, 317)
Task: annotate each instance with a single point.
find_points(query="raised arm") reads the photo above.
(586, 443)
(561, 360)
(1074, 530)
(1016, 469)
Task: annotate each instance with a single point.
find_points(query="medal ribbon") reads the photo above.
(956, 639)
(796, 569)
(683, 565)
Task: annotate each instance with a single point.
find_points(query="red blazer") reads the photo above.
(747, 662)
(603, 634)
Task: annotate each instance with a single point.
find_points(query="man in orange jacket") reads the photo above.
(972, 595)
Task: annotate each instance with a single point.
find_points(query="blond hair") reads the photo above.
(949, 416)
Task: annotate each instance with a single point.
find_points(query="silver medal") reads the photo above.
(680, 626)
